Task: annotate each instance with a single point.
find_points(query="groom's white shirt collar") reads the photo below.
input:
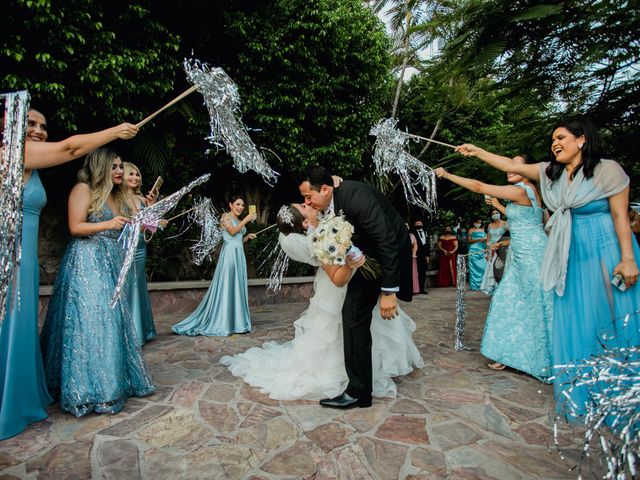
(329, 209)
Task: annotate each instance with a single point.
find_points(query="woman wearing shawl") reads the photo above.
(590, 242)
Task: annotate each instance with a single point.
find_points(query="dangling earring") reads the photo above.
(580, 145)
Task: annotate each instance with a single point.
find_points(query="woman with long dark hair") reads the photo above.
(224, 310)
(590, 242)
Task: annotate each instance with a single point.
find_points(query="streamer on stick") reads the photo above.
(16, 110)
(390, 156)
(227, 130)
(148, 216)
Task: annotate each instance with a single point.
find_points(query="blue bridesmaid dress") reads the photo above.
(477, 260)
(224, 310)
(23, 391)
(138, 296)
(586, 319)
(91, 353)
(517, 332)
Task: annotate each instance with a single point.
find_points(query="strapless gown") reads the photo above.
(477, 260)
(591, 316)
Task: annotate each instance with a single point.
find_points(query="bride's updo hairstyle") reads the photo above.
(289, 220)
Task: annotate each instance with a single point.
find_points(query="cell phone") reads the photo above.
(618, 282)
(157, 185)
(252, 209)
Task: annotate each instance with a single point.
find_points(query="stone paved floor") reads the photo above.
(454, 419)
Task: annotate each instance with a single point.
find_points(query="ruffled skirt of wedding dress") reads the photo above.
(311, 366)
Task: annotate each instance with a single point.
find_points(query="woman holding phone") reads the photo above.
(224, 310)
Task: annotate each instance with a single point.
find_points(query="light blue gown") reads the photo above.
(91, 353)
(224, 310)
(585, 317)
(23, 391)
(477, 261)
(488, 283)
(138, 296)
(518, 328)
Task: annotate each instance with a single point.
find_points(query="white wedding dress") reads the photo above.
(311, 366)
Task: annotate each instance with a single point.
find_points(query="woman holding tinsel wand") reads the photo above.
(517, 332)
(591, 257)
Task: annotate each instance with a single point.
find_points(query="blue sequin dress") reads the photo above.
(518, 328)
(91, 353)
(138, 296)
(23, 391)
(477, 260)
(224, 310)
(586, 319)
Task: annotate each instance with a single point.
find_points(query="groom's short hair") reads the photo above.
(316, 176)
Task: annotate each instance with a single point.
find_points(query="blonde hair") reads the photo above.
(128, 168)
(96, 172)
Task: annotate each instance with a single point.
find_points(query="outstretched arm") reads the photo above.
(50, 154)
(506, 192)
(531, 171)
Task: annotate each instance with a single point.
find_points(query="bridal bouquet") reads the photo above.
(332, 243)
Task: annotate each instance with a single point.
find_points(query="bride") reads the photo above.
(311, 366)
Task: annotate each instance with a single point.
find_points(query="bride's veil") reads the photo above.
(298, 247)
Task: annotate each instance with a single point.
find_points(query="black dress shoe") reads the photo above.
(344, 402)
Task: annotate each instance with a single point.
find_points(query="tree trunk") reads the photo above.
(433, 135)
(405, 60)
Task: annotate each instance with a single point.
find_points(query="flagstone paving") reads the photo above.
(454, 419)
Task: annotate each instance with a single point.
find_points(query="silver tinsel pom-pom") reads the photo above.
(461, 306)
(612, 417)
(390, 156)
(227, 130)
(205, 215)
(148, 216)
(16, 110)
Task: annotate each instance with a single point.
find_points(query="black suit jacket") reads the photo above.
(423, 249)
(379, 232)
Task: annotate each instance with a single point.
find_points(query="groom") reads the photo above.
(382, 235)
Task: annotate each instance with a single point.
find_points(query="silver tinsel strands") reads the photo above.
(149, 216)
(227, 130)
(390, 156)
(278, 269)
(205, 215)
(16, 110)
(461, 312)
(612, 416)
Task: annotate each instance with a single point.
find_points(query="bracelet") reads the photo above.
(629, 257)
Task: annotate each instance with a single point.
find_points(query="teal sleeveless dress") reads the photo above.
(23, 392)
(224, 310)
(518, 329)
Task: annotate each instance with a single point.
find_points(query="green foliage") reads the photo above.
(86, 62)
(580, 58)
(313, 77)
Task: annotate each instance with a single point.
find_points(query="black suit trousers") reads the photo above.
(422, 273)
(362, 296)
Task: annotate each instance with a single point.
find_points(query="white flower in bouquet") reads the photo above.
(332, 240)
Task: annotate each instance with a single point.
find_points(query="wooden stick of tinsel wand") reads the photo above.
(187, 92)
(431, 140)
(180, 214)
(266, 228)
